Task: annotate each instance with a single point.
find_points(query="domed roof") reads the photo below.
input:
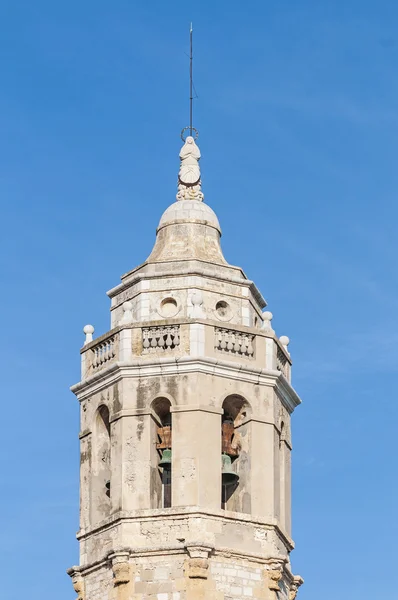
(189, 211)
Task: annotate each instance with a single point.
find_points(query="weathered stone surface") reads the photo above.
(189, 345)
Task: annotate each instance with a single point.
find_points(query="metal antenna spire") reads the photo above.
(190, 127)
(190, 81)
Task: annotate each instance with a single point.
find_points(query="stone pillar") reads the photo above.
(196, 457)
(134, 448)
(85, 479)
(265, 470)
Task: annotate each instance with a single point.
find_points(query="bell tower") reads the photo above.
(185, 439)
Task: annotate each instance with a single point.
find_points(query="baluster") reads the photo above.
(236, 338)
(154, 341)
(176, 337)
(145, 342)
(230, 345)
(169, 341)
(161, 342)
(250, 349)
(223, 344)
(218, 339)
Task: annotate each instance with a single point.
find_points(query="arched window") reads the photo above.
(101, 471)
(162, 467)
(235, 445)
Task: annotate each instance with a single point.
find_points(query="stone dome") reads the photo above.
(189, 211)
(188, 229)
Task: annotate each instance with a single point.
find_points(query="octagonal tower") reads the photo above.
(185, 479)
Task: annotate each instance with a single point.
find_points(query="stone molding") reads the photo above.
(180, 365)
(197, 565)
(196, 408)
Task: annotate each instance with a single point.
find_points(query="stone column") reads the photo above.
(265, 470)
(196, 478)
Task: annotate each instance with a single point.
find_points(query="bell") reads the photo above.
(165, 461)
(229, 477)
(108, 488)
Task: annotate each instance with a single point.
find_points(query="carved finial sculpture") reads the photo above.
(189, 183)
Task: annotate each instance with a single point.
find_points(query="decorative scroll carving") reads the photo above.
(189, 182)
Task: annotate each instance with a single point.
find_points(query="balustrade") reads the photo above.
(282, 364)
(234, 342)
(104, 352)
(163, 338)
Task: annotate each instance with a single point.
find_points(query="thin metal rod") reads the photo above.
(190, 81)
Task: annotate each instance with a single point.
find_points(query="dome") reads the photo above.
(189, 211)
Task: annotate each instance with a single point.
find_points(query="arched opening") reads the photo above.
(235, 445)
(101, 471)
(161, 478)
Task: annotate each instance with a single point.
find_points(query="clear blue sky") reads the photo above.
(298, 122)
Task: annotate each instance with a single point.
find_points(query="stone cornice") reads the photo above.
(183, 365)
(133, 277)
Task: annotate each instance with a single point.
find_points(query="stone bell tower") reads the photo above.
(185, 426)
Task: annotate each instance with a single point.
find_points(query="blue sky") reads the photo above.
(298, 120)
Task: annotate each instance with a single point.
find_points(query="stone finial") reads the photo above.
(88, 330)
(127, 312)
(267, 316)
(189, 182)
(284, 340)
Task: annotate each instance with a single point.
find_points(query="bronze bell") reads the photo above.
(165, 461)
(229, 477)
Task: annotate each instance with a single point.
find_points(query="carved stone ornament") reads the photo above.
(120, 569)
(189, 183)
(198, 562)
(274, 577)
(297, 582)
(77, 582)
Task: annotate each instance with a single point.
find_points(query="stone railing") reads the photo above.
(234, 342)
(282, 364)
(160, 338)
(104, 352)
